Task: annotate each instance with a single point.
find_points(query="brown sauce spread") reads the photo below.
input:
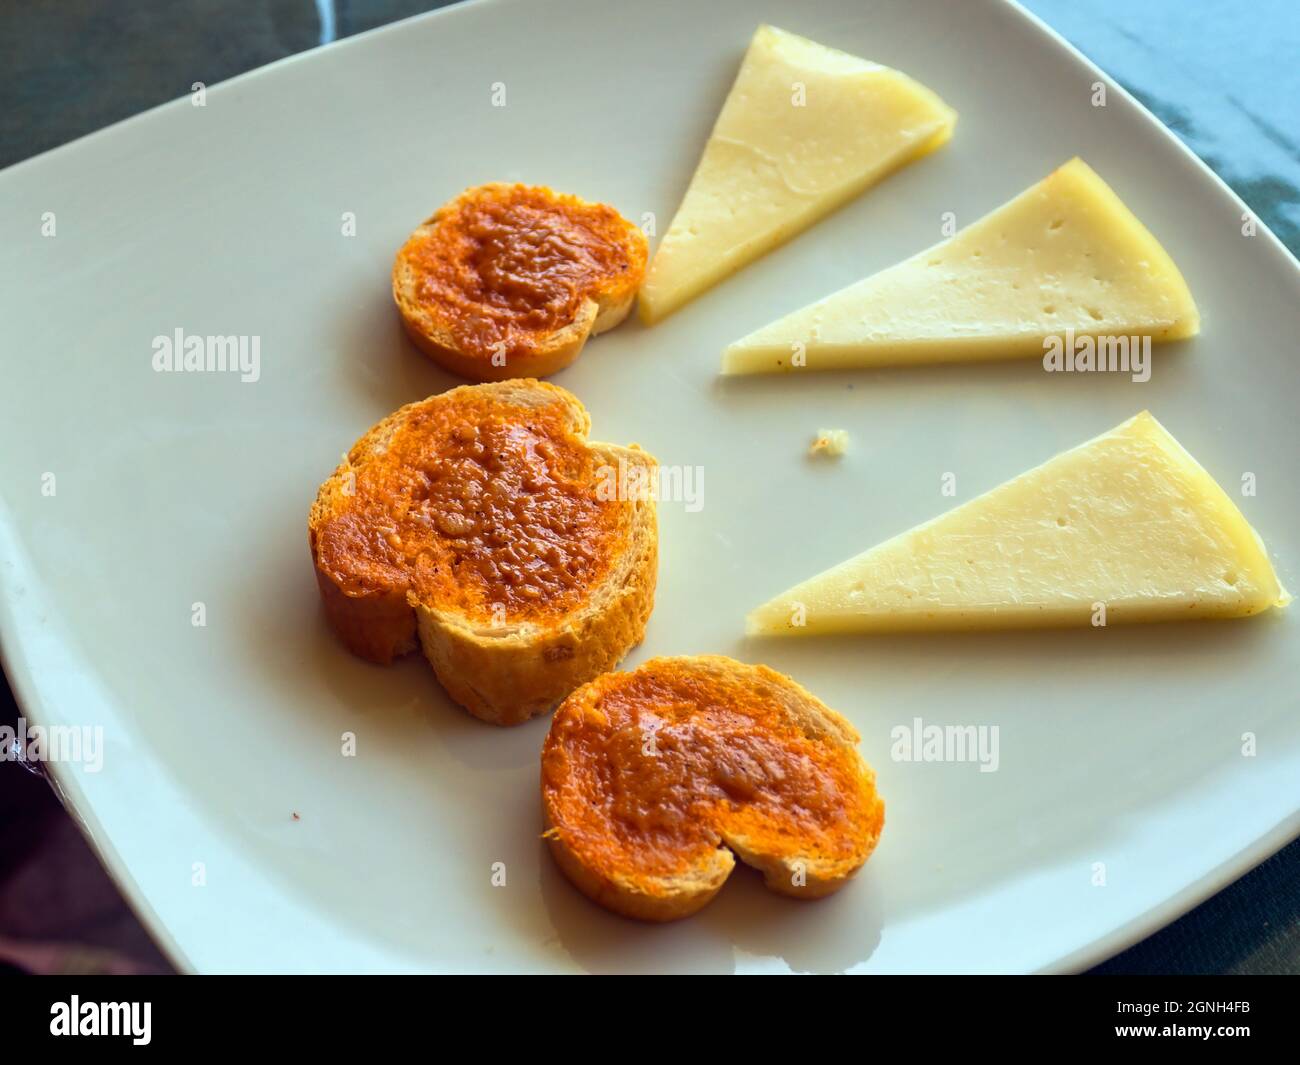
(724, 761)
(506, 264)
(480, 505)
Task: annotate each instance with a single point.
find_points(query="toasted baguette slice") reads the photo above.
(654, 781)
(508, 281)
(484, 527)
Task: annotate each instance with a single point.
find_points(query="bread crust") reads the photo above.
(654, 899)
(601, 311)
(635, 894)
(509, 672)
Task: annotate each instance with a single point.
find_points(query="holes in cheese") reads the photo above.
(1065, 254)
(1128, 520)
(804, 129)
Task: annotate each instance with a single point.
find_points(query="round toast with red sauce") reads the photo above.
(509, 281)
(482, 526)
(656, 780)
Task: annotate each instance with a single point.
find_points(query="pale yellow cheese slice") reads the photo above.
(1125, 528)
(804, 129)
(1065, 254)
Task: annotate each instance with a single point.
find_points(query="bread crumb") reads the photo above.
(830, 442)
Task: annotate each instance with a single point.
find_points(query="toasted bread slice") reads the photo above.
(508, 281)
(654, 781)
(483, 526)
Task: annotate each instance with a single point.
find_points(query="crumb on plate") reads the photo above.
(830, 442)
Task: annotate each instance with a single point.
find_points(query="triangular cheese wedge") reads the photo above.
(804, 129)
(1064, 255)
(1125, 528)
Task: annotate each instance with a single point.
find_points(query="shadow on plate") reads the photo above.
(817, 936)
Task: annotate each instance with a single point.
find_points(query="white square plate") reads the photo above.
(1120, 748)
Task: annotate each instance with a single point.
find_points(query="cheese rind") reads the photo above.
(1065, 254)
(1128, 520)
(804, 129)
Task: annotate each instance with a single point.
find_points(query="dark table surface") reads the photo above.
(1221, 73)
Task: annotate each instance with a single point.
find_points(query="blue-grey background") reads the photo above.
(1223, 74)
